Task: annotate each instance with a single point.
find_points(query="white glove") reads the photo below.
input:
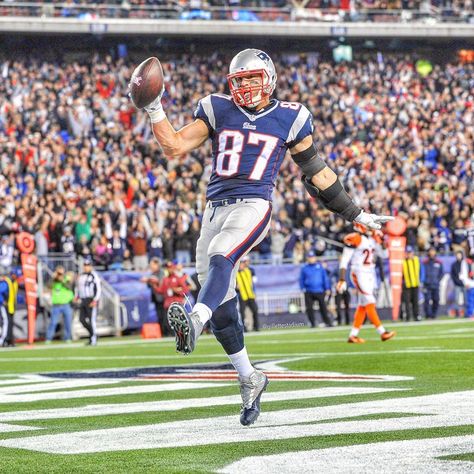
(155, 108)
(372, 221)
(341, 286)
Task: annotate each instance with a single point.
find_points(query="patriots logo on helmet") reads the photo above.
(263, 56)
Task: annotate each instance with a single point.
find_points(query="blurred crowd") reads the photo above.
(247, 10)
(82, 172)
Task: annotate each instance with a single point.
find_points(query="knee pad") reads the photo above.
(227, 326)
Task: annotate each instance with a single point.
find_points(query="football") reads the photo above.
(146, 82)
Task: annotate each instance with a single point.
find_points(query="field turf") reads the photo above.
(405, 405)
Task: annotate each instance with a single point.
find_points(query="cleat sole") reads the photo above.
(181, 326)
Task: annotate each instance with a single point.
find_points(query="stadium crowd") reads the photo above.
(248, 10)
(81, 171)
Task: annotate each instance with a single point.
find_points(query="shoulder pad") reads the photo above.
(353, 240)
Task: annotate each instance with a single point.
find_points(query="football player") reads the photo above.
(361, 249)
(250, 133)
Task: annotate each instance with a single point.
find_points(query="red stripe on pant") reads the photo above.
(236, 253)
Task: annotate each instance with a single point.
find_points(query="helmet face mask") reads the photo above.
(248, 93)
(258, 68)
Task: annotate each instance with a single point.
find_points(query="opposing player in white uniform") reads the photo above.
(250, 133)
(361, 249)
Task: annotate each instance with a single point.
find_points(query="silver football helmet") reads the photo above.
(249, 63)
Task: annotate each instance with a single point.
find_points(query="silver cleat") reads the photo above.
(251, 389)
(187, 327)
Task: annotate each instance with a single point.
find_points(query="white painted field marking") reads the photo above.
(262, 334)
(374, 336)
(174, 405)
(441, 410)
(256, 355)
(24, 379)
(14, 428)
(468, 330)
(107, 392)
(59, 384)
(396, 457)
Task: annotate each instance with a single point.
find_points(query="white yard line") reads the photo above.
(264, 333)
(424, 412)
(107, 392)
(15, 428)
(174, 405)
(255, 355)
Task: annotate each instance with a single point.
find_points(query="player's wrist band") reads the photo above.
(334, 198)
(157, 115)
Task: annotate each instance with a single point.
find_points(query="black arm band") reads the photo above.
(334, 198)
(309, 161)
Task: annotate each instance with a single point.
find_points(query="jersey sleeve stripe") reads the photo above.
(300, 120)
(206, 103)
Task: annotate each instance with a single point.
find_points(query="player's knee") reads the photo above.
(225, 315)
(227, 327)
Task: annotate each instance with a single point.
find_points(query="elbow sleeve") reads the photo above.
(309, 161)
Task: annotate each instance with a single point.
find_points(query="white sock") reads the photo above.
(241, 362)
(203, 311)
(354, 332)
(380, 329)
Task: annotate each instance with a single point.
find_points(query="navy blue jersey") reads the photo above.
(248, 147)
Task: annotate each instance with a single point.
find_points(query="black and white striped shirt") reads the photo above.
(88, 286)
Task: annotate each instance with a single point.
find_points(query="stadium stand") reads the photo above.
(81, 171)
(251, 10)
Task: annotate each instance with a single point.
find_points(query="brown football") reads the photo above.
(146, 82)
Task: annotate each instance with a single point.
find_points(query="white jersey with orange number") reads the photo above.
(361, 251)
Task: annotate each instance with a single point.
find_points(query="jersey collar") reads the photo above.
(252, 116)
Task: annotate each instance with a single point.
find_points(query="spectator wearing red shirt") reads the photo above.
(174, 286)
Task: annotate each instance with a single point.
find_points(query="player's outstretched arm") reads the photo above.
(175, 143)
(322, 183)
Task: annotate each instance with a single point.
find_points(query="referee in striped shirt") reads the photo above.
(88, 292)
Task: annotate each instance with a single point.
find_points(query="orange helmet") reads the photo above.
(361, 228)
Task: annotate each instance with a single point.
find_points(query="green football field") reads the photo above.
(133, 405)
